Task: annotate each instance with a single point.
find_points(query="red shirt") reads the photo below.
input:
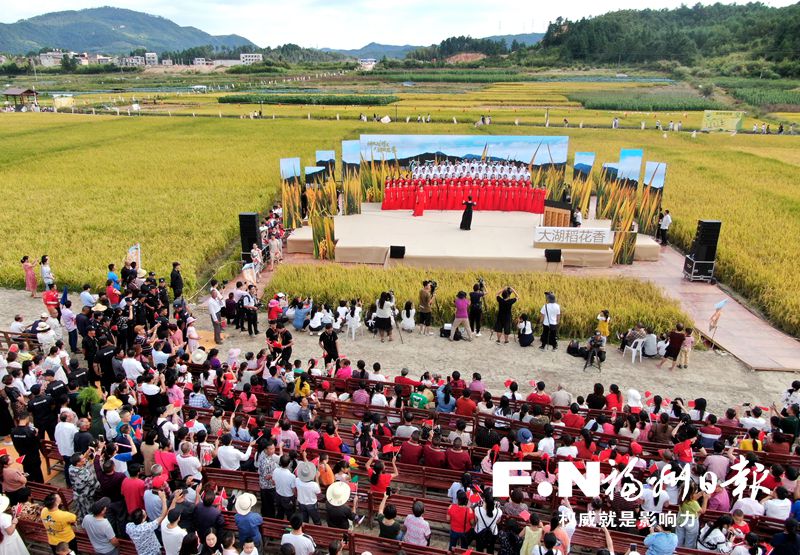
(50, 298)
(539, 398)
(410, 453)
(771, 482)
(331, 443)
(465, 406)
(383, 482)
(572, 420)
(434, 458)
(458, 384)
(402, 380)
(458, 460)
(112, 294)
(613, 402)
(583, 451)
(133, 491)
(460, 518)
(683, 451)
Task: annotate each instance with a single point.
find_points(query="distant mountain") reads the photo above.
(528, 39)
(375, 50)
(378, 51)
(106, 30)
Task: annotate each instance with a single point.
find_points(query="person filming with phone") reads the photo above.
(550, 316)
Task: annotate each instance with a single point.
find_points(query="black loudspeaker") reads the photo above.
(552, 255)
(704, 246)
(397, 251)
(248, 231)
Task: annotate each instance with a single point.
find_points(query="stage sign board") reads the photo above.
(722, 120)
(572, 238)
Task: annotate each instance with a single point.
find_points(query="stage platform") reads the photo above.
(500, 241)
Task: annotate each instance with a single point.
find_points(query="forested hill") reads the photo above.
(685, 34)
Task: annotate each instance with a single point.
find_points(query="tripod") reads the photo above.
(593, 360)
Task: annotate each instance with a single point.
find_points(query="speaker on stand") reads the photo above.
(249, 234)
(699, 264)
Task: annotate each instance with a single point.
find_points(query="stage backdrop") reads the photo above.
(385, 155)
(315, 175)
(582, 166)
(327, 159)
(650, 201)
(351, 180)
(351, 158)
(291, 193)
(630, 166)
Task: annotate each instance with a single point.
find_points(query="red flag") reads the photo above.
(224, 495)
(531, 383)
(468, 552)
(207, 457)
(389, 448)
(277, 415)
(428, 423)
(20, 459)
(189, 386)
(524, 515)
(496, 448)
(251, 422)
(190, 424)
(219, 432)
(653, 469)
(640, 524)
(276, 431)
(353, 486)
(218, 500)
(691, 404)
(648, 394)
(260, 433)
(508, 383)
(3, 452)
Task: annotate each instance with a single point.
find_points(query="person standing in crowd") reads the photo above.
(461, 317)
(98, 528)
(384, 315)
(476, 308)
(176, 281)
(26, 442)
(30, 275)
(215, 311)
(58, 523)
(426, 299)
(550, 316)
(48, 277)
(505, 302)
(663, 227)
(11, 543)
(329, 342)
(250, 306)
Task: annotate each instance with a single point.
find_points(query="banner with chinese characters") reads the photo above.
(722, 120)
(572, 238)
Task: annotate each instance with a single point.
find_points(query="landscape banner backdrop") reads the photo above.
(315, 174)
(290, 169)
(654, 174)
(351, 157)
(582, 166)
(630, 165)
(403, 149)
(327, 159)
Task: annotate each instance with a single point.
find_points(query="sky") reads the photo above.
(355, 23)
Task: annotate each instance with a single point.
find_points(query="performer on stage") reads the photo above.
(419, 202)
(466, 218)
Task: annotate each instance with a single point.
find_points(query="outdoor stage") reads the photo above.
(500, 241)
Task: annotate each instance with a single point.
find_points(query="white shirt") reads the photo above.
(303, 544)
(213, 309)
(749, 506)
(190, 466)
(230, 457)
(567, 451)
(774, 508)
(284, 482)
(649, 502)
(16, 327)
(546, 445)
(760, 424)
(171, 538)
(666, 221)
(379, 400)
(133, 368)
(65, 434)
(68, 319)
(168, 429)
(550, 313)
(307, 492)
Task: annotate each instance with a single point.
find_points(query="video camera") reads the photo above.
(481, 283)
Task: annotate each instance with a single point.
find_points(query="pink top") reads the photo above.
(688, 343)
(248, 404)
(462, 306)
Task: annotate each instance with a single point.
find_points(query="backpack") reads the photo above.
(162, 436)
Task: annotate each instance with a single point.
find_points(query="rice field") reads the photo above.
(176, 184)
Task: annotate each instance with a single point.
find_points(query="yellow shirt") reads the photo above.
(58, 525)
(750, 445)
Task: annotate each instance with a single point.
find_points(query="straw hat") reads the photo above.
(338, 493)
(43, 328)
(44, 316)
(199, 356)
(244, 503)
(306, 471)
(99, 308)
(4, 503)
(141, 274)
(112, 403)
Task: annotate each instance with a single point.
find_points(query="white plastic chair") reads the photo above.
(635, 348)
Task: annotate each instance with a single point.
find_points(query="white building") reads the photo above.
(248, 59)
(151, 58)
(201, 62)
(166, 62)
(51, 59)
(131, 61)
(367, 64)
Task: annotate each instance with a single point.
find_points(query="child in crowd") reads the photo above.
(686, 349)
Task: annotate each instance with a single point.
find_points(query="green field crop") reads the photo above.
(310, 99)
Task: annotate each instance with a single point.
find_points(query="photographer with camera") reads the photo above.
(550, 316)
(384, 314)
(427, 296)
(476, 306)
(504, 303)
(596, 347)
